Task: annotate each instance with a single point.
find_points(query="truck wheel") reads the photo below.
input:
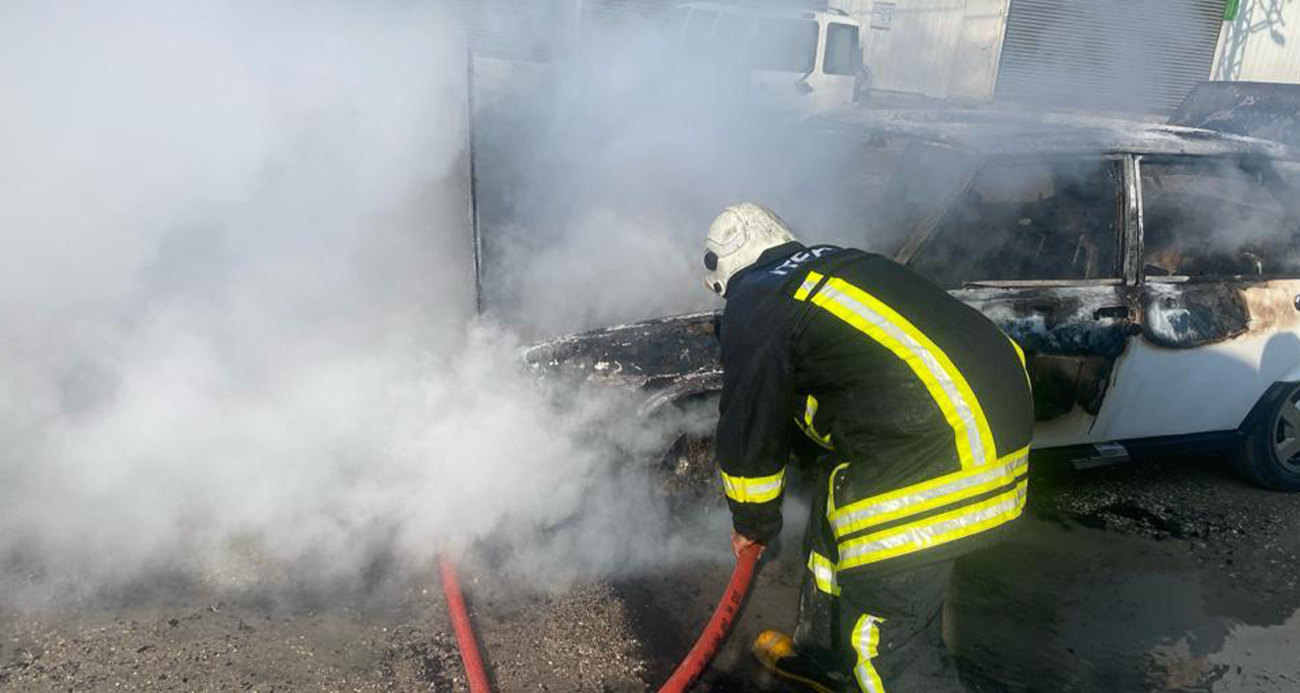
(1270, 453)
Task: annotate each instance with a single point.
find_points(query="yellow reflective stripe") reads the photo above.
(824, 441)
(933, 531)
(830, 489)
(809, 412)
(866, 643)
(823, 572)
(941, 377)
(945, 383)
(931, 494)
(809, 283)
(1019, 352)
(759, 489)
(1024, 368)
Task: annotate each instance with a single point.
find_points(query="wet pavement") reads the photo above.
(1169, 575)
(1161, 575)
(1158, 575)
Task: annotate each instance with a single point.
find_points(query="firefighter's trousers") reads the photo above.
(885, 631)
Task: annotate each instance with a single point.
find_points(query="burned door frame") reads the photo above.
(1200, 334)
(1216, 308)
(1073, 331)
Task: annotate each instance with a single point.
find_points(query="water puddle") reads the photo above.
(1063, 607)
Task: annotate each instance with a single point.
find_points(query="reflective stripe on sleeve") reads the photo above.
(933, 531)
(866, 643)
(823, 573)
(760, 489)
(951, 488)
(891, 330)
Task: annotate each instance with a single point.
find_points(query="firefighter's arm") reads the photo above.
(754, 435)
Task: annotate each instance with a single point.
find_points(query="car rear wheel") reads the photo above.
(1270, 454)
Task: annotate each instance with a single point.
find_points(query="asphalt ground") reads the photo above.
(1159, 575)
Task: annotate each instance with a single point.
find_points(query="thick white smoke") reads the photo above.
(601, 171)
(237, 304)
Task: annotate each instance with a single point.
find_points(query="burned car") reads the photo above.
(1150, 272)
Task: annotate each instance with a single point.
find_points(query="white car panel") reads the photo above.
(1159, 391)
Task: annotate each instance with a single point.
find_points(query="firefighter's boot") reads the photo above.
(776, 652)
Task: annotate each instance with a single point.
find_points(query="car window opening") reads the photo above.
(1219, 218)
(1037, 221)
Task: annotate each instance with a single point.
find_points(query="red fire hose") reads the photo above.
(469, 656)
(696, 661)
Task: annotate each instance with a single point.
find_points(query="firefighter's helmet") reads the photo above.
(736, 238)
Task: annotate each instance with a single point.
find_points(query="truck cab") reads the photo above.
(804, 60)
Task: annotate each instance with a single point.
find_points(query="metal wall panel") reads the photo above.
(533, 30)
(541, 30)
(1110, 55)
(915, 50)
(619, 11)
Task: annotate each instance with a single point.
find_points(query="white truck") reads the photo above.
(807, 60)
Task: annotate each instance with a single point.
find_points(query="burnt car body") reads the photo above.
(1150, 272)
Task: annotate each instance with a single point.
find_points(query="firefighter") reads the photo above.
(922, 411)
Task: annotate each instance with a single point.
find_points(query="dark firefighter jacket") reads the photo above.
(922, 402)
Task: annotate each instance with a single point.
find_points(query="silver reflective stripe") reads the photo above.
(923, 535)
(809, 283)
(823, 571)
(866, 640)
(866, 675)
(753, 490)
(992, 473)
(936, 370)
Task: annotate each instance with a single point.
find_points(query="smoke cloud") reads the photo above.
(601, 172)
(238, 338)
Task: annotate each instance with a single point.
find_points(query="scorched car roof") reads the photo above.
(1006, 132)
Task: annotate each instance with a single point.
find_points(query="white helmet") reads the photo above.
(737, 237)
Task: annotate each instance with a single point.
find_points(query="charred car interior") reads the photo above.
(1128, 259)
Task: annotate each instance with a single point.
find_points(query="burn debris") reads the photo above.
(649, 355)
(1189, 315)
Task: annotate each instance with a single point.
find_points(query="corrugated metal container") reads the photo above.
(1113, 55)
(627, 10)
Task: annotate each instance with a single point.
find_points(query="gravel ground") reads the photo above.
(1166, 574)
(578, 641)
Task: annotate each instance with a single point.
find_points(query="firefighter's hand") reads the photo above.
(740, 542)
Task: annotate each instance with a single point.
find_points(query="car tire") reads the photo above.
(1270, 452)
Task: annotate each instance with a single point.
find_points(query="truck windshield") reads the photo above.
(785, 45)
(842, 50)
